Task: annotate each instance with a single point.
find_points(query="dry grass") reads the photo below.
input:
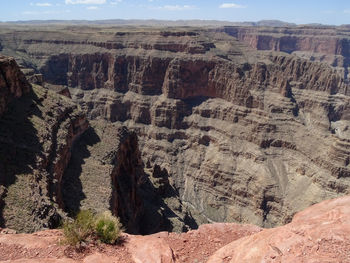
(87, 228)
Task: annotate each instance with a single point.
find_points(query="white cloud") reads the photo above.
(40, 4)
(51, 12)
(347, 11)
(176, 7)
(92, 8)
(231, 5)
(85, 2)
(115, 2)
(328, 12)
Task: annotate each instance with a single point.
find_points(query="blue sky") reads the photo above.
(297, 11)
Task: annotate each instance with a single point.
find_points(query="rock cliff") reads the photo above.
(36, 134)
(327, 44)
(243, 135)
(12, 82)
(106, 172)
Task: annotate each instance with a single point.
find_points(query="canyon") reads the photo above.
(316, 43)
(172, 128)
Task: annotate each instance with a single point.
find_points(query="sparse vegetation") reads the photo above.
(108, 228)
(81, 229)
(88, 227)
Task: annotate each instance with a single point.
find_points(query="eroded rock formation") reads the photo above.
(36, 134)
(317, 43)
(104, 174)
(12, 82)
(244, 135)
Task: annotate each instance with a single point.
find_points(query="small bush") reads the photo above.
(81, 229)
(108, 228)
(87, 227)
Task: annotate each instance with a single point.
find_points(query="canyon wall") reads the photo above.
(327, 44)
(104, 173)
(39, 132)
(36, 134)
(244, 135)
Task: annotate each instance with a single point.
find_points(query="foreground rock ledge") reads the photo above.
(320, 233)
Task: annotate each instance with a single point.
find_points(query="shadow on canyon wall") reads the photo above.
(72, 189)
(19, 149)
(136, 194)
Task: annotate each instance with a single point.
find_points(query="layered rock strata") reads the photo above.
(106, 172)
(36, 135)
(317, 43)
(244, 136)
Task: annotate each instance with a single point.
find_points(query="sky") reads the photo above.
(334, 12)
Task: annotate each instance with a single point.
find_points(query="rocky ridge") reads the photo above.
(36, 134)
(317, 234)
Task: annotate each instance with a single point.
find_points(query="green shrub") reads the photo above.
(81, 229)
(87, 227)
(108, 228)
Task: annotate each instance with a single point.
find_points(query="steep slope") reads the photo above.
(104, 173)
(244, 136)
(36, 134)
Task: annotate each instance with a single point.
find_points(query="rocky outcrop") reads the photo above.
(36, 134)
(245, 136)
(12, 82)
(126, 176)
(317, 234)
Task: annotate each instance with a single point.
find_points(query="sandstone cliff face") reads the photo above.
(36, 134)
(126, 202)
(244, 136)
(328, 44)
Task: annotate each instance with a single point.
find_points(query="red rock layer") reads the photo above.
(317, 234)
